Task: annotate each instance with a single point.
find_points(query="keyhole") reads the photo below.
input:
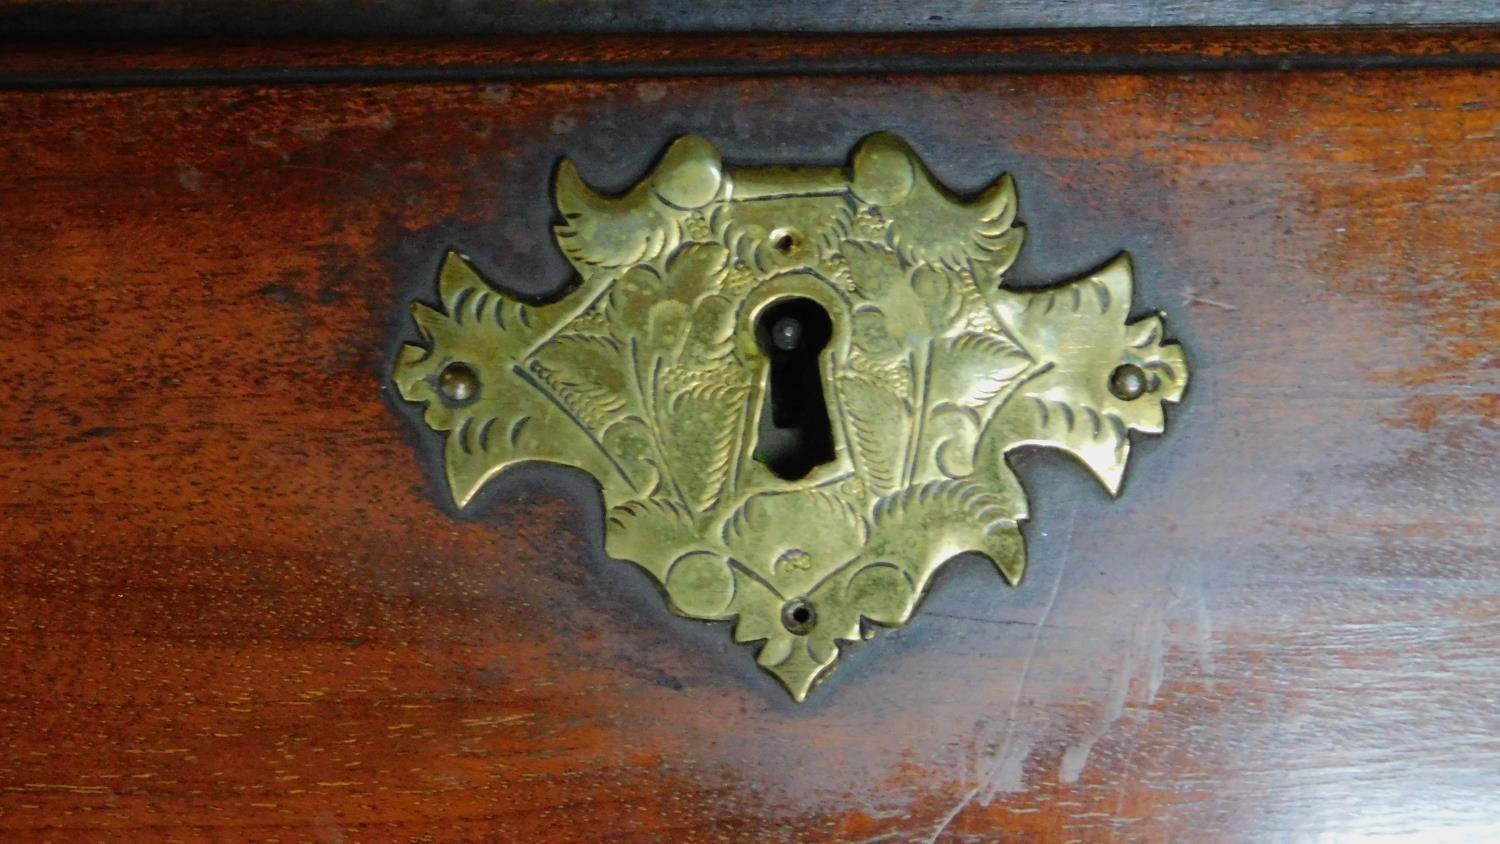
(795, 433)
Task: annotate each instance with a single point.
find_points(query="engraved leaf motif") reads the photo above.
(587, 373)
(694, 272)
(611, 232)
(709, 338)
(699, 397)
(784, 546)
(1093, 435)
(638, 530)
(825, 528)
(785, 234)
(971, 369)
(703, 428)
(878, 425)
(647, 222)
(921, 527)
(883, 584)
(927, 223)
(467, 299)
(629, 444)
(940, 292)
(630, 301)
(507, 420)
(1069, 404)
(872, 269)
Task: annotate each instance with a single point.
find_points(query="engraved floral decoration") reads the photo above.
(647, 376)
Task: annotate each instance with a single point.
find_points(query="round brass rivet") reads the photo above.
(1127, 382)
(458, 382)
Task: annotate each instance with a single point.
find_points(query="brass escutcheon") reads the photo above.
(796, 387)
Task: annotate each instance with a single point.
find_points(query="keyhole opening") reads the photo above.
(796, 435)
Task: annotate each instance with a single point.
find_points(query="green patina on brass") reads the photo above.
(648, 376)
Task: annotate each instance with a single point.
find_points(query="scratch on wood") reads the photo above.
(1005, 753)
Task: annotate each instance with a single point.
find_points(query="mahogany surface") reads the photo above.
(234, 604)
(41, 63)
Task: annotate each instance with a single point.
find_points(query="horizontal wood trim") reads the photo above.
(44, 66)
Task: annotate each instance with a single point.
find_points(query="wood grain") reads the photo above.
(234, 605)
(47, 65)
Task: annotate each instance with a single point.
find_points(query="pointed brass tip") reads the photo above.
(569, 191)
(463, 483)
(997, 207)
(799, 685)
(1112, 477)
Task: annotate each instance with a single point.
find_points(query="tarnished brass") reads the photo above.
(655, 374)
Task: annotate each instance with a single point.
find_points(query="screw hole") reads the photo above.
(798, 616)
(785, 241)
